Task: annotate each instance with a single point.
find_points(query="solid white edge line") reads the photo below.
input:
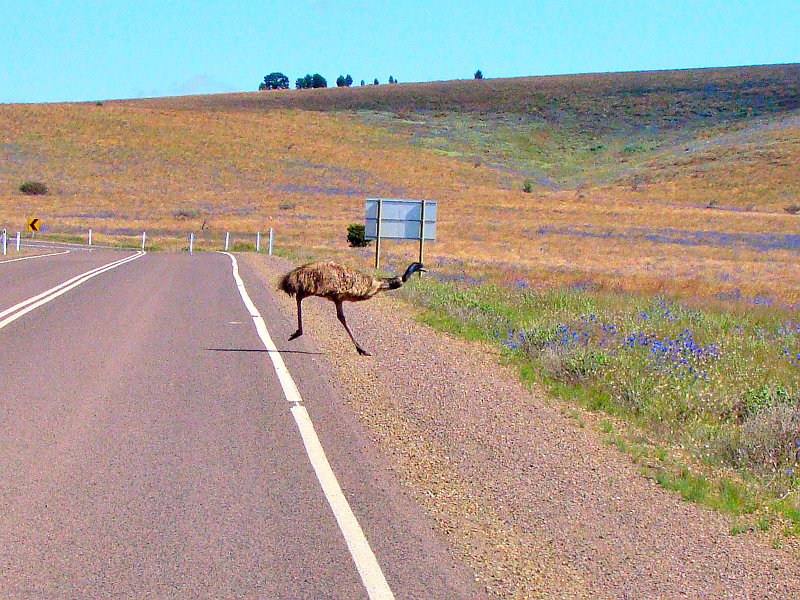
(364, 558)
(2, 262)
(63, 288)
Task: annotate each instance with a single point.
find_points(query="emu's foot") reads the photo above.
(362, 352)
(295, 335)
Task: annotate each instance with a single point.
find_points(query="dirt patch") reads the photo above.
(535, 504)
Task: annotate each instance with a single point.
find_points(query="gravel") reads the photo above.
(536, 505)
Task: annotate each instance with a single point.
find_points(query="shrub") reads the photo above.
(793, 209)
(478, 74)
(186, 213)
(770, 439)
(527, 187)
(33, 188)
(356, 236)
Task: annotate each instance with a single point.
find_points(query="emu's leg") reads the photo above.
(340, 316)
(299, 331)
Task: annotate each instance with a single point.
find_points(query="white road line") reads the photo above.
(26, 306)
(363, 557)
(56, 288)
(72, 245)
(36, 256)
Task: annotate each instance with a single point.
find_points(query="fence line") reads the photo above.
(236, 241)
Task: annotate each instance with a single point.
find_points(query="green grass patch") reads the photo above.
(64, 237)
(242, 247)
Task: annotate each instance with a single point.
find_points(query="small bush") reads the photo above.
(527, 187)
(768, 442)
(184, 214)
(33, 188)
(568, 363)
(793, 209)
(772, 436)
(356, 236)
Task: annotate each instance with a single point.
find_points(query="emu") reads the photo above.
(338, 283)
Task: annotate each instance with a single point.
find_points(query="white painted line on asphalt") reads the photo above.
(73, 245)
(35, 256)
(26, 306)
(367, 565)
(56, 288)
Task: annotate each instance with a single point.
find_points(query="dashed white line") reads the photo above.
(364, 558)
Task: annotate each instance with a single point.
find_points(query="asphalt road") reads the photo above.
(147, 448)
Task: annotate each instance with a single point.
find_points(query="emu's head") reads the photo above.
(413, 268)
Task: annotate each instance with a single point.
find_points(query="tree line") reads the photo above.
(279, 81)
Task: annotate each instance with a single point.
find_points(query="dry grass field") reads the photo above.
(667, 182)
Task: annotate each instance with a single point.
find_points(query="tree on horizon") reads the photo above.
(275, 81)
(311, 81)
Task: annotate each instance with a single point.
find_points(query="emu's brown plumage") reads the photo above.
(337, 283)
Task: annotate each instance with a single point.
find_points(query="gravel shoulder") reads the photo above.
(534, 504)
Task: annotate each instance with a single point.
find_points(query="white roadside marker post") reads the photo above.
(18, 241)
(271, 236)
(4, 242)
(191, 243)
(227, 240)
(258, 241)
(90, 237)
(144, 238)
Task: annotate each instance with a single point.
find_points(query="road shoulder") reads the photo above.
(534, 504)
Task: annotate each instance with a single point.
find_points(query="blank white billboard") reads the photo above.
(400, 219)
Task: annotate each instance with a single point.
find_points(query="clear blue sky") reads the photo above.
(96, 50)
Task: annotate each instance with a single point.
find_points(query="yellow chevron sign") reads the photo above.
(33, 224)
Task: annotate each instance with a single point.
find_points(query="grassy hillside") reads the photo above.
(569, 129)
(595, 102)
(671, 181)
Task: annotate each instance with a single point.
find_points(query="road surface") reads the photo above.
(148, 448)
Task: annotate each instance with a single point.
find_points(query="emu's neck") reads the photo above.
(391, 283)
